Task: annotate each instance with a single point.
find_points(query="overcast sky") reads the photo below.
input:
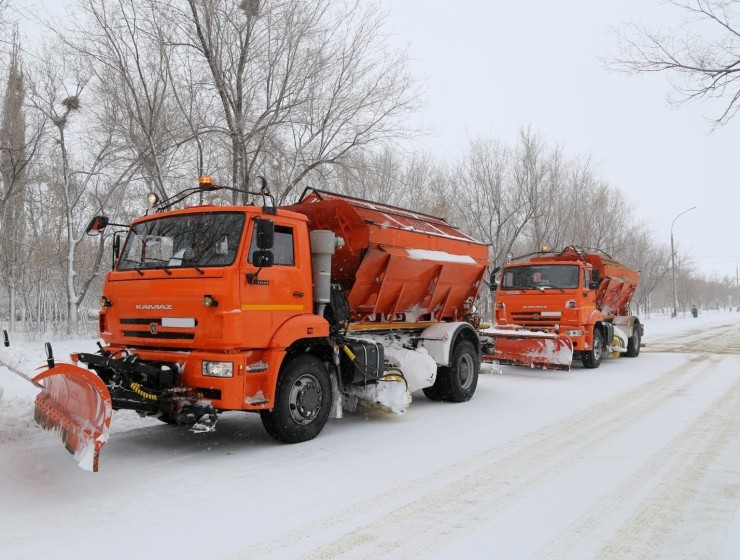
(493, 66)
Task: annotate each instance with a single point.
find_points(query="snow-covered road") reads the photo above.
(637, 459)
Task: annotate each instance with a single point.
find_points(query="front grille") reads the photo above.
(158, 334)
(140, 321)
(534, 320)
(161, 335)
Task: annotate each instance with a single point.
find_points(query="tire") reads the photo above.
(432, 393)
(633, 344)
(302, 401)
(167, 419)
(592, 358)
(457, 382)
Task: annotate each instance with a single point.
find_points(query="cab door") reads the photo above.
(270, 295)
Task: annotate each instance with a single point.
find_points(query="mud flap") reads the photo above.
(533, 351)
(77, 403)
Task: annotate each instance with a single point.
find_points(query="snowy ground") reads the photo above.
(637, 459)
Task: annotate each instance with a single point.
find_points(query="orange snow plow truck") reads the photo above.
(295, 313)
(575, 294)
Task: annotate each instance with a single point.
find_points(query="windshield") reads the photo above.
(533, 277)
(191, 240)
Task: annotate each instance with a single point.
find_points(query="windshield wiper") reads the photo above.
(132, 266)
(163, 266)
(543, 288)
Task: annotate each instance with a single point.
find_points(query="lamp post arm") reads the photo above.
(673, 263)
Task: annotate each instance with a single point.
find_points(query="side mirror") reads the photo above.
(595, 280)
(116, 248)
(263, 259)
(265, 234)
(96, 225)
(492, 279)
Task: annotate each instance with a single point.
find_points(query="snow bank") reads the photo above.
(16, 417)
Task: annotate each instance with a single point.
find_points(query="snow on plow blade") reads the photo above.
(534, 350)
(77, 403)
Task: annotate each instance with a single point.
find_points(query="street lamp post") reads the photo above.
(673, 264)
(737, 285)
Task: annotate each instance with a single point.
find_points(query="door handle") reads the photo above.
(298, 294)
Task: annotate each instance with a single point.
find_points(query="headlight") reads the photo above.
(574, 333)
(218, 369)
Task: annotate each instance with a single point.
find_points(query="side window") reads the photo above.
(282, 248)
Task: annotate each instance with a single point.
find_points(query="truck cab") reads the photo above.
(193, 287)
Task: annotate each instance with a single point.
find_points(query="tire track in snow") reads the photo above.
(673, 472)
(687, 458)
(443, 507)
(722, 339)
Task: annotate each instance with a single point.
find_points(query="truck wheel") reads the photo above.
(457, 382)
(432, 393)
(302, 401)
(592, 358)
(167, 419)
(633, 344)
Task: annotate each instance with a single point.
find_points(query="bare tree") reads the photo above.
(16, 153)
(3, 21)
(532, 167)
(415, 181)
(652, 261)
(701, 55)
(369, 175)
(486, 197)
(122, 44)
(83, 171)
(298, 92)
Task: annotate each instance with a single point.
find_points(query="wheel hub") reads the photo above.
(465, 372)
(305, 399)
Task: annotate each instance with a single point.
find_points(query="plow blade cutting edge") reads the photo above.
(540, 351)
(77, 403)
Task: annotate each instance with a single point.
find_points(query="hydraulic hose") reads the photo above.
(136, 388)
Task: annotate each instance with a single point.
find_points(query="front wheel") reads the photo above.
(633, 344)
(592, 358)
(457, 382)
(302, 401)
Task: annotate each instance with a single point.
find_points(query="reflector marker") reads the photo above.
(272, 307)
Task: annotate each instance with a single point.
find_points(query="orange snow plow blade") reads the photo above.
(528, 349)
(77, 403)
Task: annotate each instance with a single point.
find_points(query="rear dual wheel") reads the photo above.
(457, 382)
(633, 344)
